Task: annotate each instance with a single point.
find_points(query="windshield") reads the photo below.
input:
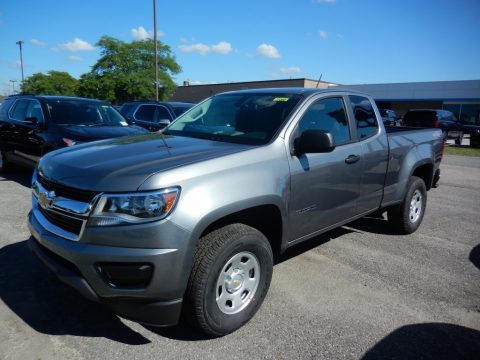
(84, 113)
(246, 118)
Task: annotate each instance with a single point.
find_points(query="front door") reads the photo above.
(325, 186)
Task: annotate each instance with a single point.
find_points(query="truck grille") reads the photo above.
(67, 191)
(64, 222)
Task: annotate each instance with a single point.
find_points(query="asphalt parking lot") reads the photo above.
(359, 292)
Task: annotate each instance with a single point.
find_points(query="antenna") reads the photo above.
(319, 79)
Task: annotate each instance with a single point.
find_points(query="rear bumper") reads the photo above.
(158, 302)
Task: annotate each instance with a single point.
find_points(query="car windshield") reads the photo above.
(84, 113)
(246, 118)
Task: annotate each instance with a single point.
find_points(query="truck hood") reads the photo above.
(123, 164)
(92, 133)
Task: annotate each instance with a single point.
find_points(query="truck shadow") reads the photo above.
(475, 256)
(427, 341)
(19, 174)
(34, 294)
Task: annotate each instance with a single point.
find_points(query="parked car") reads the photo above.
(188, 220)
(474, 131)
(442, 119)
(31, 126)
(153, 115)
(390, 117)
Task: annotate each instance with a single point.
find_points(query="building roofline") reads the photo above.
(259, 82)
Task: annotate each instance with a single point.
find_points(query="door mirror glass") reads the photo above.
(314, 141)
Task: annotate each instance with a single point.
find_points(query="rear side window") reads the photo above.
(365, 118)
(420, 118)
(328, 115)
(145, 113)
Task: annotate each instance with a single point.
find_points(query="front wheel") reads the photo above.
(231, 274)
(3, 161)
(407, 216)
(459, 139)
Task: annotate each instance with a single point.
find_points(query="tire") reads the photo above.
(407, 216)
(231, 274)
(458, 140)
(4, 165)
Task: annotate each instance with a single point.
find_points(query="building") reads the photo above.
(461, 97)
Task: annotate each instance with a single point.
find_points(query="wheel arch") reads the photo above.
(267, 216)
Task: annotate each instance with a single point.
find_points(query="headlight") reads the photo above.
(122, 209)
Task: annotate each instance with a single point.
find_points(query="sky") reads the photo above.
(219, 41)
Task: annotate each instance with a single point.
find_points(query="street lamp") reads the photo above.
(19, 43)
(156, 47)
(13, 86)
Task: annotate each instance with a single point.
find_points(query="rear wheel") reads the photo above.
(407, 216)
(230, 278)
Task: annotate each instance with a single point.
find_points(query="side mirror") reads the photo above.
(314, 141)
(32, 120)
(164, 122)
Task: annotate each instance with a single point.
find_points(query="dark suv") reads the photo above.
(153, 115)
(32, 125)
(443, 119)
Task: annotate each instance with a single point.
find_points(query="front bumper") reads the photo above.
(161, 245)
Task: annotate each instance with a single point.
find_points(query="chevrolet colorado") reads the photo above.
(188, 221)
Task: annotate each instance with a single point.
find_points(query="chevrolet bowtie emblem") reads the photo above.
(46, 198)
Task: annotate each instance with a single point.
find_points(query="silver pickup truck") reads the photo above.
(188, 221)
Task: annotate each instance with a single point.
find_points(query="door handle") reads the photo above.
(351, 159)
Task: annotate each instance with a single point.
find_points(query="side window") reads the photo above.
(34, 110)
(19, 110)
(163, 113)
(328, 115)
(365, 118)
(145, 113)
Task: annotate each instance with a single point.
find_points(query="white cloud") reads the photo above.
(222, 47)
(323, 34)
(268, 51)
(141, 33)
(75, 58)
(199, 48)
(76, 45)
(290, 70)
(38, 43)
(324, 1)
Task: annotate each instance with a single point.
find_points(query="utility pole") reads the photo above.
(19, 43)
(13, 86)
(156, 46)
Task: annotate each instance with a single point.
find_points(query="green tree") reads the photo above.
(52, 83)
(125, 71)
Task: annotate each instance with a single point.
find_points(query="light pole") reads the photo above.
(13, 86)
(156, 47)
(19, 43)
